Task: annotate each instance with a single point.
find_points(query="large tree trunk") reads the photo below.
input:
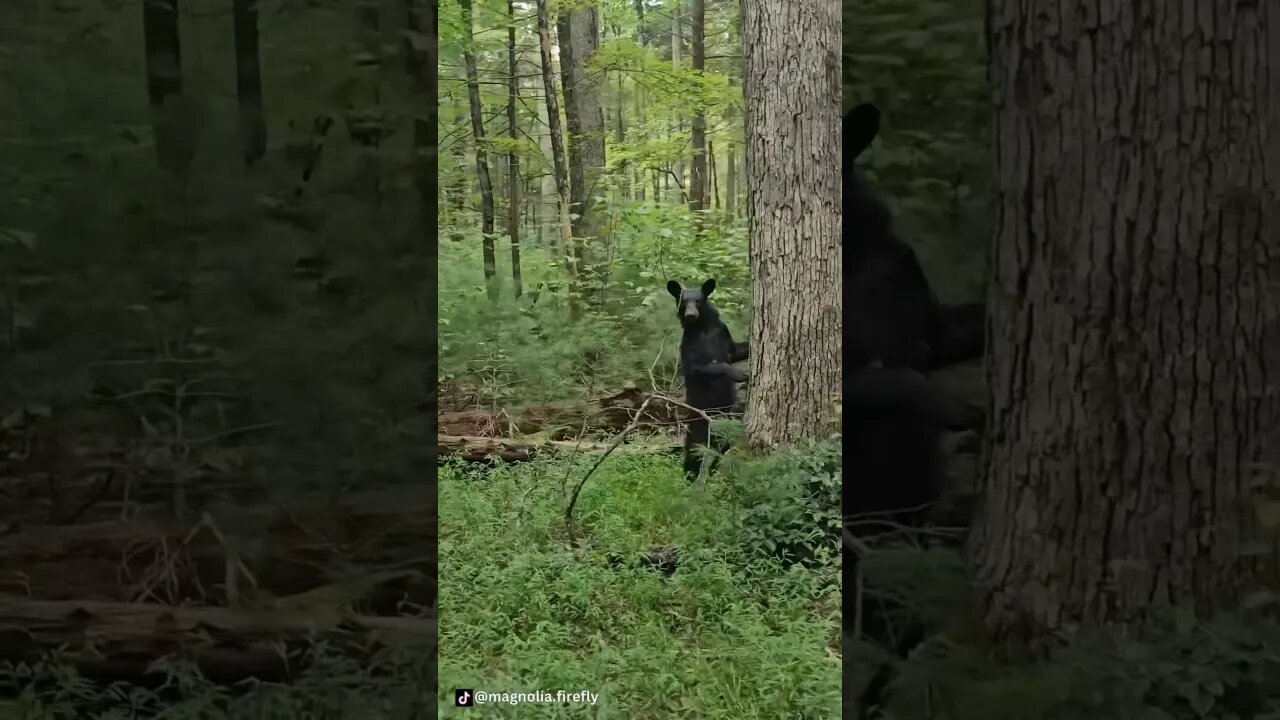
(584, 115)
(482, 158)
(698, 173)
(558, 161)
(513, 159)
(793, 181)
(1133, 314)
(253, 128)
(164, 81)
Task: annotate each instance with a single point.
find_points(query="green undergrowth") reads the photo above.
(513, 351)
(740, 630)
(394, 685)
(1179, 668)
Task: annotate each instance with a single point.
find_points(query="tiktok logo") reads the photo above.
(463, 698)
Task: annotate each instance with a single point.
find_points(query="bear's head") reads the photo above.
(692, 305)
(858, 129)
(865, 218)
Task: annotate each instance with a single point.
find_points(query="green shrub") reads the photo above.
(732, 634)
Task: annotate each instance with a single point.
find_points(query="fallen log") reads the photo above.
(287, 548)
(564, 420)
(482, 449)
(111, 642)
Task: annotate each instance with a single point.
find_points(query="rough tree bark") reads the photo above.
(1133, 310)
(792, 55)
(482, 158)
(253, 126)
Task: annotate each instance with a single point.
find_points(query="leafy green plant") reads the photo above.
(787, 505)
(731, 634)
(392, 684)
(1178, 668)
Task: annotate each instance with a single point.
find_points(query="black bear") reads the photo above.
(963, 336)
(895, 331)
(894, 419)
(707, 354)
(895, 317)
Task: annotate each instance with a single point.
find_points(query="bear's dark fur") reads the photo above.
(894, 316)
(895, 331)
(707, 354)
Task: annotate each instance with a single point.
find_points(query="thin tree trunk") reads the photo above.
(513, 159)
(793, 189)
(584, 116)
(620, 135)
(534, 200)
(421, 55)
(546, 182)
(677, 125)
(368, 12)
(482, 159)
(369, 15)
(711, 167)
(253, 126)
(642, 39)
(164, 80)
(642, 180)
(642, 36)
(731, 183)
(1133, 314)
(573, 151)
(698, 171)
(558, 158)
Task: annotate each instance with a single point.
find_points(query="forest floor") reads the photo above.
(99, 574)
(663, 598)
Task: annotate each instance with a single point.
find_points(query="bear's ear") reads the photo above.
(859, 128)
(708, 287)
(673, 287)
